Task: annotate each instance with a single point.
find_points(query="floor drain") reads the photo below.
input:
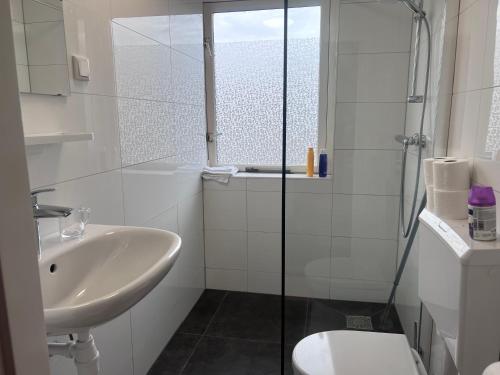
(359, 322)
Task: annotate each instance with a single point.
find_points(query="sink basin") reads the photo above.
(89, 281)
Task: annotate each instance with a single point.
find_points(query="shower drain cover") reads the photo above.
(359, 322)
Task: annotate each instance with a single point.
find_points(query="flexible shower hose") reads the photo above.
(406, 228)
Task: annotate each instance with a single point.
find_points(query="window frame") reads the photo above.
(227, 6)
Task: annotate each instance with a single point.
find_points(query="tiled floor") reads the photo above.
(239, 333)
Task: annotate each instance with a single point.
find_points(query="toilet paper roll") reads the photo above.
(429, 169)
(430, 197)
(451, 204)
(451, 174)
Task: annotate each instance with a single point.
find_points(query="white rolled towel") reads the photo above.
(451, 204)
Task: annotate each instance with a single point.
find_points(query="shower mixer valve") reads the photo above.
(413, 140)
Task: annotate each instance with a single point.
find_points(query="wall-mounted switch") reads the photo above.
(81, 68)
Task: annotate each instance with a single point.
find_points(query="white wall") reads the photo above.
(145, 105)
(342, 231)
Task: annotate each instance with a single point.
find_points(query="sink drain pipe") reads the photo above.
(82, 351)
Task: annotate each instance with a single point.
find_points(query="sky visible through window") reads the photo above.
(248, 66)
(258, 25)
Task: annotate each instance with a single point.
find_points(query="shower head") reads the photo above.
(414, 7)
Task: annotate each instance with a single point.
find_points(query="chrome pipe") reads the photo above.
(413, 91)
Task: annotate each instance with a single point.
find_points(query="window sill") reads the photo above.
(292, 176)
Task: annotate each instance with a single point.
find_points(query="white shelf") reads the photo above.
(51, 138)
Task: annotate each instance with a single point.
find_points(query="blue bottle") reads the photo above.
(323, 163)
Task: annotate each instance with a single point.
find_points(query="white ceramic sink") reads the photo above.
(90, 281)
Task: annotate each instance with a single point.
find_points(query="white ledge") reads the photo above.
(51, 138)
(289, 176)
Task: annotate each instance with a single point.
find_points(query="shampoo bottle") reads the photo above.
(310, 162)
(323, 163)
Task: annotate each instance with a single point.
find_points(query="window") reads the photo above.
(245, 82)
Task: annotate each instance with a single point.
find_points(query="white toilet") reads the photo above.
(356, 353)
(458, 283)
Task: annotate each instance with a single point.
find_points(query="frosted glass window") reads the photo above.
(248, 69)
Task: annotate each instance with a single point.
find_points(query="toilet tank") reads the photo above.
(459, 283)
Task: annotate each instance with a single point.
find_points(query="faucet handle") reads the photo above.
(39, 191)
(34, 194)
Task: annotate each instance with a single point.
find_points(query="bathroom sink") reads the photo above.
(89, 281)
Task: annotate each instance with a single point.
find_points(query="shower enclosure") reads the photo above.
(357, 80)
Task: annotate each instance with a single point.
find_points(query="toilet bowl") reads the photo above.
(356, 353)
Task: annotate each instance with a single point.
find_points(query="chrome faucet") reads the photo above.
(43, 211)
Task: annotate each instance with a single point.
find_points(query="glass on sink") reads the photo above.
(73, 226)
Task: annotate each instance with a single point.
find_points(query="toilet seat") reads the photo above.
(355, 353)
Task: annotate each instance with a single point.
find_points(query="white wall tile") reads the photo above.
(233, 184)
(145, 8)
(49, 79)
(226, 249)
(491, 75)
(39, 12)
(143, 66)
(88, 33)
(264, 252)
(463, 124)
(155, 28)
(235, 280)
(264, 211)
(148, 190)
(186, 24)
(264, 282)
(302, 286)
(49, 164)
(190, 218)
(23, 78)
(166, 220)
(150, 329)
(190, 128)
(308, 255)
(364, 259)
(309, 213)
(359, 290)
(487, 172)
(189, 181)
(367, 172)
(263, 183)
(187, 79)
(368, 125)
(377, 77)
(20, 43)
(16, 10)
(365, 216)
(486, 135)
(374, 27)
(146, 130)
(46, 43)
(225, 210)
(102, 193)
(471, 42)
(304, 185)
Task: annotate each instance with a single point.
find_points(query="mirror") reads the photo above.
(40, 46)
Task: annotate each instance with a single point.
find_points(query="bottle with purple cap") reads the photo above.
(482, 213)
